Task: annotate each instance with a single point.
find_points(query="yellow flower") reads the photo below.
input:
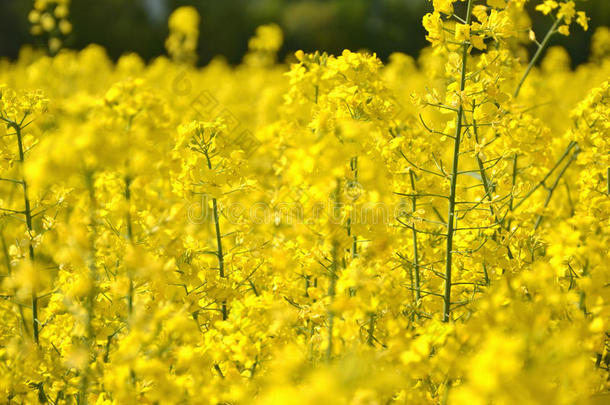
(564, 30)
(583, 20)
(65, 27)
(547, 7)
(268, 38)
(443, 6)
(566, 11)
(54, 44)
(34, 16)
(462, 32)
(181, 43)
(47, 22)
(266, 233)
(433, 24)
(500, 4)
(61, 11)
(480, 12)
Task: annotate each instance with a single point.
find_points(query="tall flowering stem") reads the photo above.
(537, 55)
(129, 238)
(27, 212)
(219, 252)
(454, 174)
(417, 286)
(332, 286)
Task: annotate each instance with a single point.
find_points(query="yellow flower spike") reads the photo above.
(181, 44)
(268, 38)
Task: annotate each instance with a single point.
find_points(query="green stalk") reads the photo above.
(551, 189)
(331, 293)
(7, 262)
(415, 250)
(129, 239)
(28, 220)
(371, 331)
(219, 251)
(514, 182)
(541, 183)
(482, 172)
(90, 299)
(128, 179)
(333, 282)
(453, 186)
(537, 55)
(354, 165)
(487, 186)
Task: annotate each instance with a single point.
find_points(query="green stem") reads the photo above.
(371, 331)
(453, 186)
(333, 281)
(551, 189)
(7, 262)
(354, 165)
(537, 55)
(565, 154)
(415, 249)
(514, 181)
(90, 299)
(331, 293)
(485, 273)
(129, 239)
(219, 251)
(482, 171)
(487, 186)
(28, 221)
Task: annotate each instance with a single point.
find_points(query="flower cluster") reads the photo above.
(49, 19)
(183, 36)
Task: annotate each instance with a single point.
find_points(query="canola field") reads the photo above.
(326, 230)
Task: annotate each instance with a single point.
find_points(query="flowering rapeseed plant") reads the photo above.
(335, 230)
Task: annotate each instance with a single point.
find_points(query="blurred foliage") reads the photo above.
(383, 26)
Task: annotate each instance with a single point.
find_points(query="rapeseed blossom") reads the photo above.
(334, 230)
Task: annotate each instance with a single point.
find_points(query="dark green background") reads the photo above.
(383, 26)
